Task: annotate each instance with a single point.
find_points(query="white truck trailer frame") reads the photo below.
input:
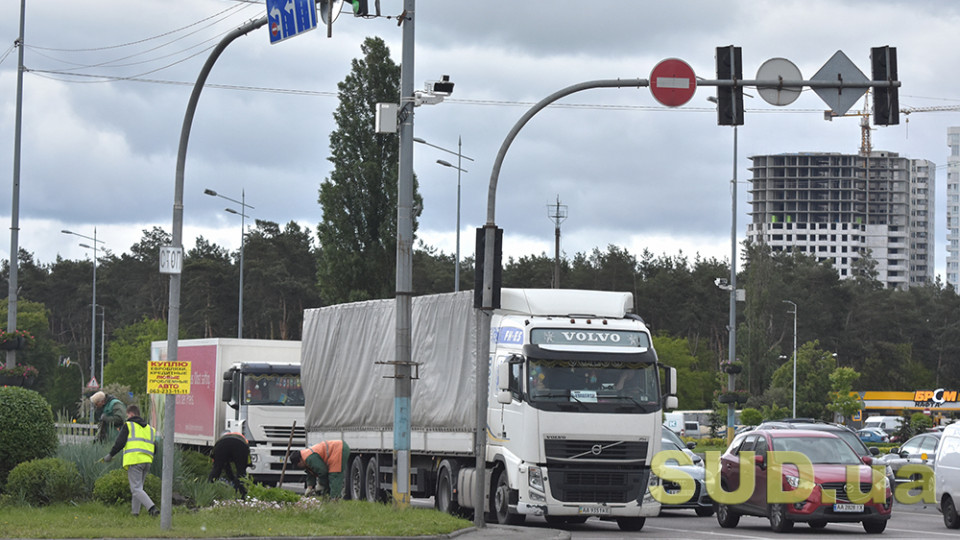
(574, 412)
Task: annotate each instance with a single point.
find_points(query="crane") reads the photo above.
(865, 129)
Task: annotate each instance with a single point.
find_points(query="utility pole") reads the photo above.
(558, 213)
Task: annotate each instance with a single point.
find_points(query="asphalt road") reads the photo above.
(908, 521)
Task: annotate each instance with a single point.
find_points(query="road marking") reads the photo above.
(693, 533)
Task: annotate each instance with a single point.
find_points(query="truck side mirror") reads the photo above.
(503, 378)
(226, 393)
(504, 397)
(671, 403)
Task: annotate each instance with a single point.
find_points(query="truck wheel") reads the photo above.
(631, 523)
(372, 481)
(445, 500)
(355, 479)
(501, 502)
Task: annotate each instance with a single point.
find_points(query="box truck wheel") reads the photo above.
(501, 501)
(372, 481)
(355, 479)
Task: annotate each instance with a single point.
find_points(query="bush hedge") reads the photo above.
(26, 428)
(40, 482)
(114, 488)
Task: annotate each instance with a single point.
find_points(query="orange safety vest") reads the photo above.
(331, 452)
(238, 435)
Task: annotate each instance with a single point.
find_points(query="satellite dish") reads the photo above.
(329, 10)
(779, 69)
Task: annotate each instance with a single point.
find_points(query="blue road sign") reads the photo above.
(287, 18)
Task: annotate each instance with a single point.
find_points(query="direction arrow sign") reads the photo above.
(288, 18)
(672, 82)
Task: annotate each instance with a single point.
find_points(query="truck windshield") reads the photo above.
(272, 389)
(612, 386)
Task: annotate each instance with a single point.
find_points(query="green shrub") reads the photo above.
(39, 482)
(86, 456)
(200, 493)
(195, 465)
(26, 428)
(269, 494)
(114, 488)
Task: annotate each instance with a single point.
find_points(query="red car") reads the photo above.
(830, 456)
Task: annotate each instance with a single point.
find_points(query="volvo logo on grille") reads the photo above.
(596, 449)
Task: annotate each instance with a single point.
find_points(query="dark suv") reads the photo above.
(828, 499)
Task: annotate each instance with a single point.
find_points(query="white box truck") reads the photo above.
(574, 405)
(248, 386)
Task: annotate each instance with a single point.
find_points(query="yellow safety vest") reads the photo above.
(139, 447)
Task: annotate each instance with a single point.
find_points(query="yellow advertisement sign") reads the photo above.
(168, 377)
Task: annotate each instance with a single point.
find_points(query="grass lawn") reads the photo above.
(309, 517)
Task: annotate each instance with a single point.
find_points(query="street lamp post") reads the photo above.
(460, 157)
(243, 216)
(794, 355)
(93, 306)
(103, 324)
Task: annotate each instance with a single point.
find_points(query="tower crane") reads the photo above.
(865, 129)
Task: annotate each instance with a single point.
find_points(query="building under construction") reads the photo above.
(841, 207)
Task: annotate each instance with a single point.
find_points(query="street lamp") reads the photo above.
(243, 234)
(93, 306)
(794, 355)
(460, 156)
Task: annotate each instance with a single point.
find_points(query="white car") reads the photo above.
(947, 476)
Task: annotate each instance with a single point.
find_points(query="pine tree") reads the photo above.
(358, 233)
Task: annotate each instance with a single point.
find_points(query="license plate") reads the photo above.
(595, 510)
(841, 507)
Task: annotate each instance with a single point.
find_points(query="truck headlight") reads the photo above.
(535, 483)
(535, 478)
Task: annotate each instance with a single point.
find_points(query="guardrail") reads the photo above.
(71, 433)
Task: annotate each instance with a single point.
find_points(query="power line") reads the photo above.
(144, 40)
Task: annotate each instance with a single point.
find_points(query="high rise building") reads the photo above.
(953, 208)
(840, 207)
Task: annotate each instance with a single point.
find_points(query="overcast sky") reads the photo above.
(101, 153)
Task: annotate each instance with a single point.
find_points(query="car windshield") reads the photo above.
(822, 450)
(853, 440)
(673, 437)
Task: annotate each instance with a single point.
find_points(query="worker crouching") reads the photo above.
(325, 464)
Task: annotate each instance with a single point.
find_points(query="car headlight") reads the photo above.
(792, 481)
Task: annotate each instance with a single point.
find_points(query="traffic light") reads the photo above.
(480, 257)
(729, 98)
(360, 8)
(886, 101)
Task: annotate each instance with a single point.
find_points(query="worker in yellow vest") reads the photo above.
(136, 439)
(325, 463)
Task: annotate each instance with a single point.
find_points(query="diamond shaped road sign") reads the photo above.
(840, 69)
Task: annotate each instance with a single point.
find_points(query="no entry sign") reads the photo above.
(672, 82)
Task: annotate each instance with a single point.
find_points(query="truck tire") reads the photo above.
(371, 482)
(445, 500)
(355, 479)
(501, 502)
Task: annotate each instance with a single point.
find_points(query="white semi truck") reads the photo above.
(574, 405)
(248, 386)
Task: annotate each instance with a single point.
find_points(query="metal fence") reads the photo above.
(71, 433)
